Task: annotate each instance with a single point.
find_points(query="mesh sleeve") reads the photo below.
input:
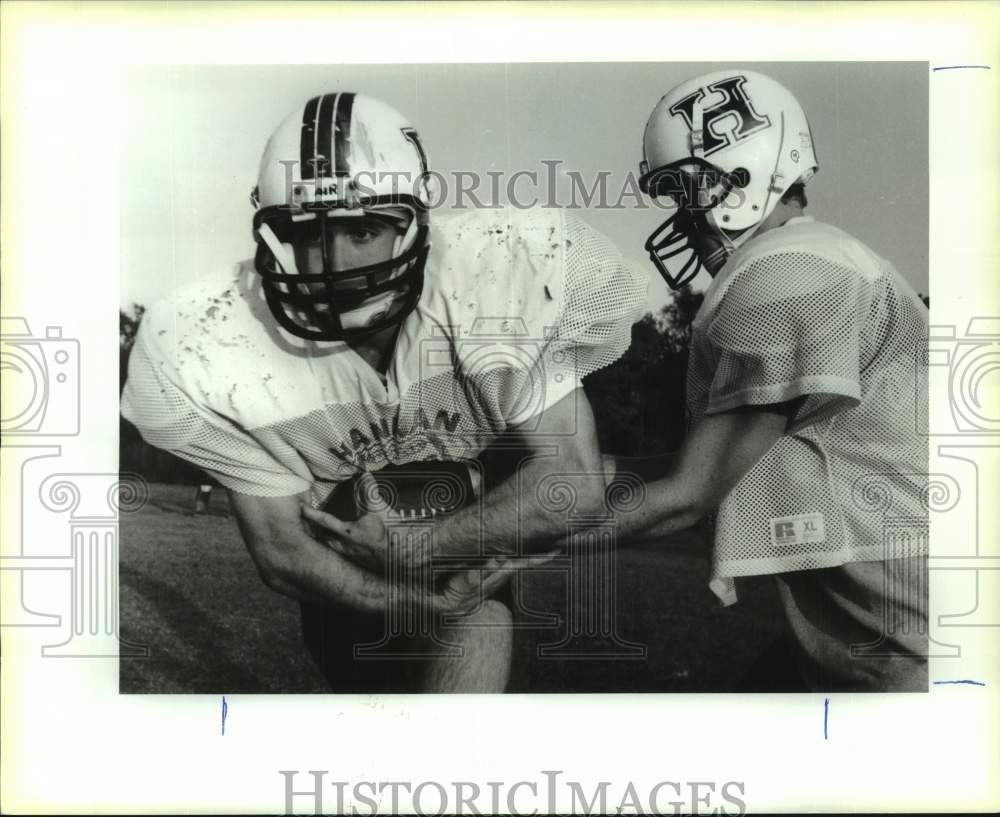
(789, 326)
(603, 297)
(169, 419)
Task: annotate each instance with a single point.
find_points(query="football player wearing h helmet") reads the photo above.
(800, 392)
(352, 344)
(726, 147)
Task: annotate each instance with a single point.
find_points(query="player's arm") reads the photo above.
(290, 561)
(715, 456)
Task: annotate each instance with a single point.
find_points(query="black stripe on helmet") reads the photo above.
(324, 143)
(342, 147)
(307, 143)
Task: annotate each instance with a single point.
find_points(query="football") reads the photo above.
(416, 490)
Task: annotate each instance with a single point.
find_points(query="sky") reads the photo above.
(195, 135)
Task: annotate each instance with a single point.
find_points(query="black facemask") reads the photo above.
(310, 306)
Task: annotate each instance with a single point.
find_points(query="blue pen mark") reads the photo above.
(953, 67)
(225, 711)
(963, 681)
(826, 718)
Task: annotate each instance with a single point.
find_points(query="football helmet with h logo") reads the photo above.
(725, 146)
(341, 156)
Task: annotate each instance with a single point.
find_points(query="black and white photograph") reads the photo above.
(519, 408)
(591, 403)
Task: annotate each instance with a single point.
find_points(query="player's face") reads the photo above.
(356, 241)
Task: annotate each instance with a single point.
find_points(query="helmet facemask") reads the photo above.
(697, 188)
(339, 304)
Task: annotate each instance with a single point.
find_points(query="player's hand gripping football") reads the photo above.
(365, 540)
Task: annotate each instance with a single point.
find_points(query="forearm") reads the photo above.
(292, 562)
(682, 488)
(530, 508)
(666, 509)
(314, 573)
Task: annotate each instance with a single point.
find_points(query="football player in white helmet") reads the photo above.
(363, 338)
(803, 446)
(345, 172)
(727, 157)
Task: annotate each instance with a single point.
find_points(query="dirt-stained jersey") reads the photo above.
(517, 307)
(805, 310)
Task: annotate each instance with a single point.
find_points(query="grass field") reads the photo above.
(190, 593)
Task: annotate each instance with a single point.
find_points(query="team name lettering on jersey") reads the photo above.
(444, 423)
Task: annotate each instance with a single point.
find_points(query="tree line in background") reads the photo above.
(638, 401)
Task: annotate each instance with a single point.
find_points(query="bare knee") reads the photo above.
(475, 652)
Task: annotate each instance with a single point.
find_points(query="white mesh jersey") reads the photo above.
(805, 310)
(518, 305)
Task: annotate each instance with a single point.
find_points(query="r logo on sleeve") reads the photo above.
(802, 529)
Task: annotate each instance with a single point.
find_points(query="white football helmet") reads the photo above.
(725, 146)
(341, 155)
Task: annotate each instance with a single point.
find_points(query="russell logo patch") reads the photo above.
(802, 529)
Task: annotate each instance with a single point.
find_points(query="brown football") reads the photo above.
(419, 489)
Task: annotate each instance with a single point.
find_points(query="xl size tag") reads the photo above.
(802, 529)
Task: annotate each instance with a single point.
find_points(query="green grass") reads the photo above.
(190, 593)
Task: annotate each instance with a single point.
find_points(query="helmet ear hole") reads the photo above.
(740, 177)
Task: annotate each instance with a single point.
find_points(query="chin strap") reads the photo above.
(405, 241)
(696, 139)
